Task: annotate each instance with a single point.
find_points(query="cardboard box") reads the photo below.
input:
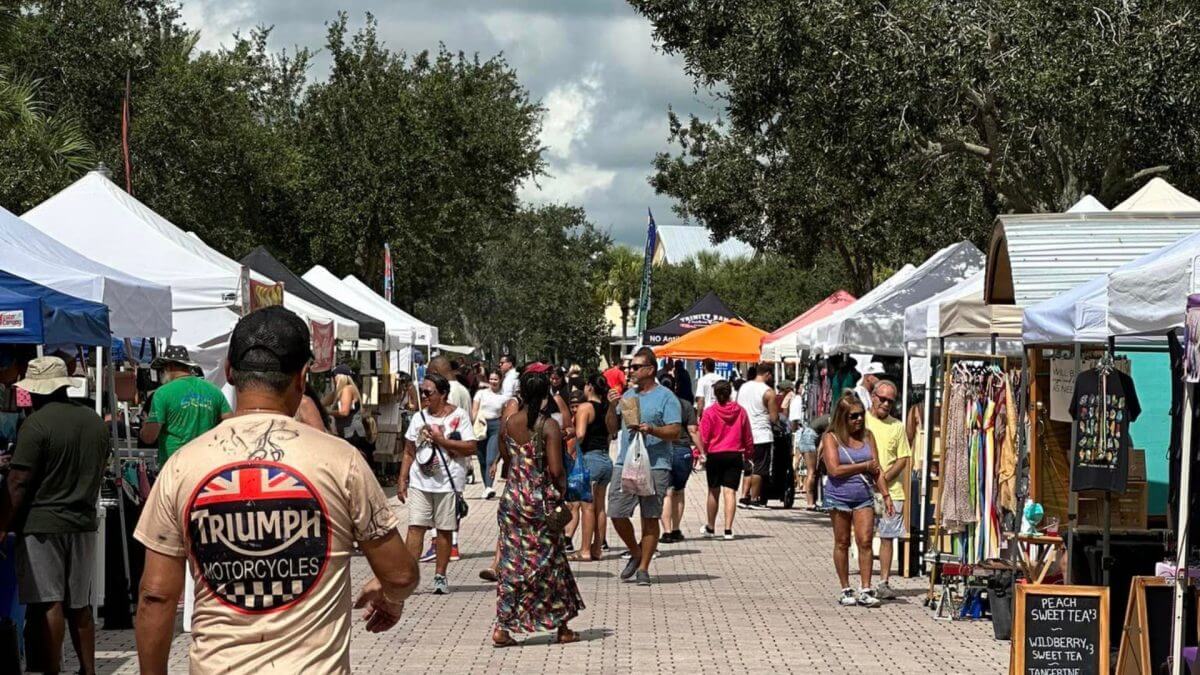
(1137, 466)
(1128, 510)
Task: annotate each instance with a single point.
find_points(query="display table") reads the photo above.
(1037, 554)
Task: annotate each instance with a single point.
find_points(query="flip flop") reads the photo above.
(566, 638)
(489, 574)
(508, 641)
(577, 557)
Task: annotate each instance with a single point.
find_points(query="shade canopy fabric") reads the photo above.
(731, 340)
(1159, 196)
(707, 311)
(923, 320)
(1145, 296)
(808, 337)
(1149, 296)
(261, 261)
(781, 343)
(137, 307)
(34, 314)
(1087, 204)
(877, 325)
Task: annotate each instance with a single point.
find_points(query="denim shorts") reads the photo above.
(681, 468)
(839, 505)
(600, 465)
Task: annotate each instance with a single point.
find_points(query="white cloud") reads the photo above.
(570, 109)
(568, 182)
(218, 20)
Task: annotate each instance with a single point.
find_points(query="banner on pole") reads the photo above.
(265, 295)
(389, 280)
(647, 265)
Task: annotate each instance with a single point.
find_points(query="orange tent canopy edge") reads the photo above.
(731, 340)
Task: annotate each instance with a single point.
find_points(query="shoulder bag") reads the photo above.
(556, 513)
(460, 504)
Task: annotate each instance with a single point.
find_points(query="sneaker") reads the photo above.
(743, 503)
(570, 544)
(454, 556)
(847, 598)
(708, 532)
(430, 555)
(668, 538)
(630, 568)
(489, 493)
(884, 591)
(604, 545)
(440, 585)
(757, 506)
(728, 535)
(677, 536)
(643, 578)
(866, 598)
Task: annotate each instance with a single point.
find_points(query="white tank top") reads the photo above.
(750, 397)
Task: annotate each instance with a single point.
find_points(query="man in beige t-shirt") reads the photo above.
(267, 511)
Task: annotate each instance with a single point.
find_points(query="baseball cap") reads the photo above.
(270, 340)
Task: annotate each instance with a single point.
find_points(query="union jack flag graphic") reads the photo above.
(249, 483)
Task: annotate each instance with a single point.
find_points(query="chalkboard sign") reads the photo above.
(1060, 630)
(1146, 638)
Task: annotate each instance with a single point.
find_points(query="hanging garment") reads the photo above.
(1007, 461)
(956, 506)
(1103, 405)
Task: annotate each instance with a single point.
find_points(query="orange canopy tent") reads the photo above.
(731, 340)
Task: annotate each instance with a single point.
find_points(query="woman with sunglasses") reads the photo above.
(438, 443)
(853, 470)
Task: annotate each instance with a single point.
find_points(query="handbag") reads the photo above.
(461, 509)
(554, 509)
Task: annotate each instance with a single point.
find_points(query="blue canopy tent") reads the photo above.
(33, 314)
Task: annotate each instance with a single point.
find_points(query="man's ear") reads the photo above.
(302, 380)
(228, 372)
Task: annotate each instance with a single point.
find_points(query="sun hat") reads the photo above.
(46, 375)
(174, 354)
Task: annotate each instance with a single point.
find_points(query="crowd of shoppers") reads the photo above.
(531, 430)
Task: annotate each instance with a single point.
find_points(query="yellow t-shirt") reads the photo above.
(266, 510)
(893, 445)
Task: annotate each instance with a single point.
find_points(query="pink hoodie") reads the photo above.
(725, 427)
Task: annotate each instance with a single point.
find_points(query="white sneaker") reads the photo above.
(707, 533)
(489, 493)
(728, 535)
(847, 598)
(866, 598)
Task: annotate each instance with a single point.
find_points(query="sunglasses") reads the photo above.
(889, 401)
(428, 392)
(854, 416)
(639, 366)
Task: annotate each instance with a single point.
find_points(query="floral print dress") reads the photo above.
(536, 590)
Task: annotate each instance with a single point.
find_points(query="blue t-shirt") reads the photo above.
(659, 407)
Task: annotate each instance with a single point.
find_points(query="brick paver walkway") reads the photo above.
(764, 602)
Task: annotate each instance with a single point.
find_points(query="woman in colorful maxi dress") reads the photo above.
(536, 590)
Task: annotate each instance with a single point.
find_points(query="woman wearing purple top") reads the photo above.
(852, 464)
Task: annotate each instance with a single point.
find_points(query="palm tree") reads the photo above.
(52, 141)
(623, 285)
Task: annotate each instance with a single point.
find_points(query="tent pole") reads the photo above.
(904, 384)
(99, 393)
(112, 406)
(1072, 502)
(927, 451)
(1181, 546)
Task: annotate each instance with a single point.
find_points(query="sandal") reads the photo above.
(566, 636)
(506, 641)
(578, 557)
(489, 574)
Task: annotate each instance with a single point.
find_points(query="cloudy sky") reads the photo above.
(592, 63)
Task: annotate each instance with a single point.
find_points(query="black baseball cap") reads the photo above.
(270, 340)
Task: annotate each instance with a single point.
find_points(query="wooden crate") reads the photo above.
(1137, 466)
(1128, 509)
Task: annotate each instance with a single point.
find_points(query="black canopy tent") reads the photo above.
(261, 261)
(707, 311)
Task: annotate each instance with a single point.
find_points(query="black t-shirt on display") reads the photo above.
(1103, 406)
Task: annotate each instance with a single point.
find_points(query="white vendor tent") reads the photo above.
(424, 333)
(401, 328)
(1082, 313)
(876, 326)
(1159, 196)
(1149, 296)
(960, 313)
(136, 307)
(100, 220)
(809, 337)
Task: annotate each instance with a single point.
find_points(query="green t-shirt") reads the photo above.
(65, 446)
(186, 408)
